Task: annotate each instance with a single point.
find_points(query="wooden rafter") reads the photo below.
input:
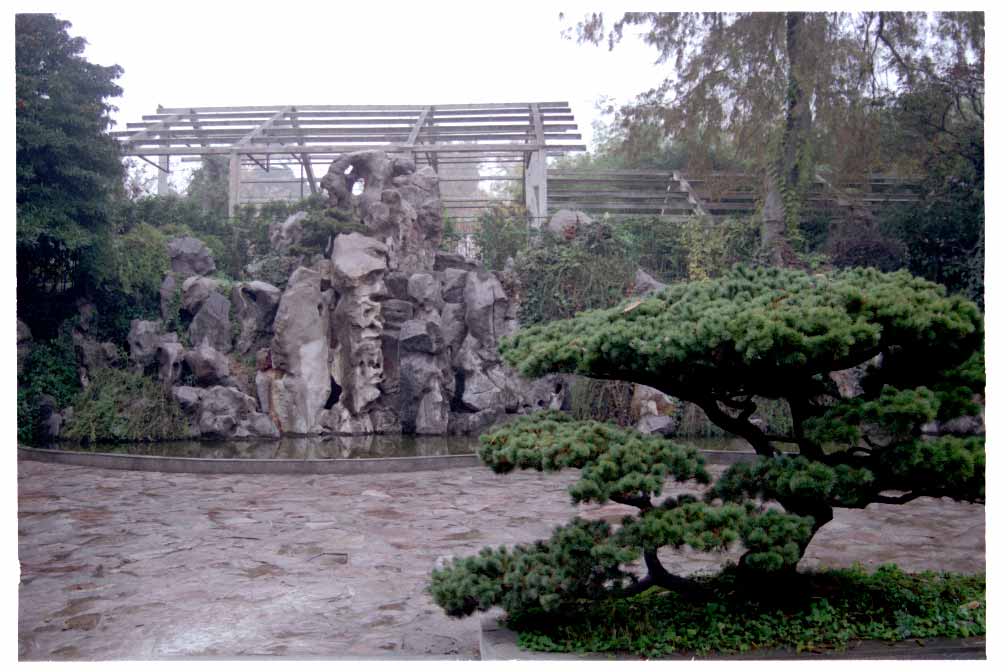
(305, 160)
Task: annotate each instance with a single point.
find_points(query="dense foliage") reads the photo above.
(825, 610)
(68, 169)
(501, 233)
(50, 368)
(124, 405)
(793, 98)
(720, 344)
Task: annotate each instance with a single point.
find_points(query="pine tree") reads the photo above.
(912, 354)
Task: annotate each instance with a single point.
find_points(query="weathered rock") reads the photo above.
(445, 260)
(647, 401)
(453, 327)
(565, 224)
(359, 264)
(169, 358)
(486, 308)
(273, 268)
(422, 336)
(255, 305)
(453, 285)
(212, 323)
(208, 366)
(550, 392)
(145, 336)
(645, 284)
(486, 382)
(50, 421)
(190, 256)
(167, 292)
(399, 208)
(222, 413)
(196, 290)
(464, 424)
(87, 318)
(397, 283)
(357, 260)
(425, 291)
(299, 353)
(395, 312)
(662, 425)
(187, 397)
(24, 344)
(423, 398)
(303, 274)
(287, 233)
(92, 355)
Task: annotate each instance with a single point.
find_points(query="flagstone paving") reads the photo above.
(128, 565)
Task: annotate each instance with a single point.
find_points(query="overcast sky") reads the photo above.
(194, 54)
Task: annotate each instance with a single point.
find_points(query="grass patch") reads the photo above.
(813, 611)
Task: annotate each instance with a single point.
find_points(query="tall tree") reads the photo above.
(68, 167)
(794, 93)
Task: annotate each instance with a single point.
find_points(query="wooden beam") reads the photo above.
(447, 108)
(421, 120)
(537, 124)
(234, 182)
(688, 188)
(162, 182)
(153, 128)
(247, 138)
(305, 160)
(339, 149)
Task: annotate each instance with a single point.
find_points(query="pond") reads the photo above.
(333, 447)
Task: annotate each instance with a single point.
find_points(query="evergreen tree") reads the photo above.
(906, 356)
(68, 167)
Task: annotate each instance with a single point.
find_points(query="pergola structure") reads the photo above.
(508, 133)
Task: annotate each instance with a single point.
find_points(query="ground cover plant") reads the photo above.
(824, 610)
(865, 361)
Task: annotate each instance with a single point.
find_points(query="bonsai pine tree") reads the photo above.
(866, 362)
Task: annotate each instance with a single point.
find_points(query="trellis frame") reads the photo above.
(523, 133)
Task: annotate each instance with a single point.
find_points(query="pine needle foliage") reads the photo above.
(769, 333)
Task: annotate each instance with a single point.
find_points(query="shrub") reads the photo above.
(558, 279)
(123, 405)
(50, 368)
(501, 233)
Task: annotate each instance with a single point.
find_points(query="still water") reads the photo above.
(331, 447)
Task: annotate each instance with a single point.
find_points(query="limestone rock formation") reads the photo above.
(645, 283)
(287, 233)
(169, 357)
(196, 290)
(212, 323)
(382, 334)
(223, 413)
(208, 366)
(358, 264)
(565, 224)
(255, 305)
(423, 372)
(398, 204)
(299, 355)
(145, 336)
(190, 256)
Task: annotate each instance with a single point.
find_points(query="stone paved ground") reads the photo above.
(119, 564)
